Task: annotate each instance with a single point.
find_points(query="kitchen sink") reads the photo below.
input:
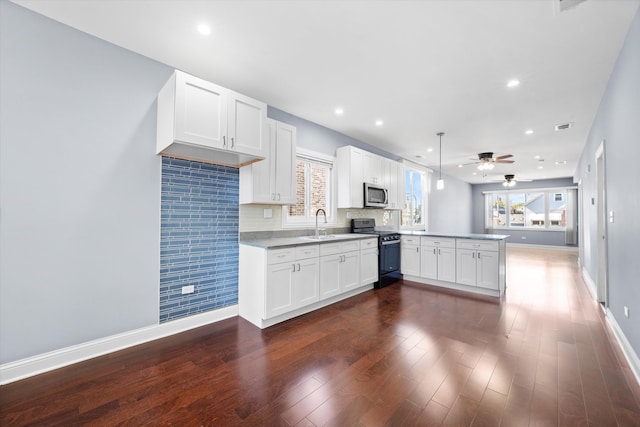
(323, 237)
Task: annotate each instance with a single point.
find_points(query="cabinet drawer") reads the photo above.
(480, 245)
(339, 247)
(442, 242)
(307, 251)
(329, 248)
(275, 256)
(410, 240)
(369, 243)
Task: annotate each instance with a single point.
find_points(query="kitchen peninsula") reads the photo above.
(466, 262)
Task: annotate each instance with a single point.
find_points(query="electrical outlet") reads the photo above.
(267, 213)
(524, 237)
(610, 216)
(626, 311)
(189, 289)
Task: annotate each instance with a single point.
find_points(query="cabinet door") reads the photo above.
(466, 267)
(410, 260)
(279, 292)
(329, 276)
(350, 270)
(401, 186)
(369, 266)
(285, 164)
(487, 265)
(391, 182)
(429, 262)
(306, 282)
(246, 131)
(373, 169)
(447, 264)
(200, 112)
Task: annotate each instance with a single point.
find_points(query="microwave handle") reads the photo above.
(386, 196)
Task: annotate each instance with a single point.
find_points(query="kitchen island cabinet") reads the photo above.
(472, 262)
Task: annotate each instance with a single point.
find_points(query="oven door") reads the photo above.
(389, 257)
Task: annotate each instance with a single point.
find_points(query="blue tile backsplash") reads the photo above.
(198, 237)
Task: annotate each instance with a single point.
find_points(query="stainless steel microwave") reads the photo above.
(375, 196)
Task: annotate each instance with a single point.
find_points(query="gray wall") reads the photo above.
(450, 209)
(79, 186)
(529, 237)
(315, 137)
(617, 123)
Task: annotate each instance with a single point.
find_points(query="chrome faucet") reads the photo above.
(325, 219)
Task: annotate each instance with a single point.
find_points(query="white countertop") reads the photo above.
(456, 236)
(281, 242)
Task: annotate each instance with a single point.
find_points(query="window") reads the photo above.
(313, 190)
(539, 209)
(413, 214)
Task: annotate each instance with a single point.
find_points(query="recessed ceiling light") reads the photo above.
(513, 83)
(460, 166)
(429, 150)
(204, 29)
(529, 132)
(474, 173)
(379, 122)
(540, 167)
(339, 111)
(536, 157)
(561, 162)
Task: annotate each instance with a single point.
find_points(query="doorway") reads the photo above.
(601, 208)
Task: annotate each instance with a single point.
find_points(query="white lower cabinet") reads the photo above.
(410, 255)
(339, 267)
(281, 283)
(473, 265)
(368, 261)
(438, 258)
(477, 264)
(293, 283)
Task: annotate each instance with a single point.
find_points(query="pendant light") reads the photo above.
(440, 182)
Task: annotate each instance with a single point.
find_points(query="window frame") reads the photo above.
(547, 193)
(424, 182)
(331, 211)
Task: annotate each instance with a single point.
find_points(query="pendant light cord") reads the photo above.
(440, 135)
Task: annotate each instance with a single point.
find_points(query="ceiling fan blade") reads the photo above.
(505, 161)
(504, 156)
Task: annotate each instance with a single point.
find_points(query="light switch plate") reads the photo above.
(267, 213)
(188, 289)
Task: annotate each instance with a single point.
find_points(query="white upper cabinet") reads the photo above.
(394, 182)
(272, 181)
(349, 164)
(199, 120)
(355, 167)
(373, 170)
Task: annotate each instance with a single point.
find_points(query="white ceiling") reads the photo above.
(420, 66)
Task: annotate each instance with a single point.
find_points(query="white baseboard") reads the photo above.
(28, 367)
(591, 285)
(629, 354)
(559, 248)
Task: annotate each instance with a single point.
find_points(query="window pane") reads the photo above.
(499, 208)
(558, 209)
(298, 208)
(534, 210)
(319, 187)
(516, 209)
(416, 187)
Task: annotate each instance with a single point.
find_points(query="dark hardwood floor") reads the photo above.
(402, 355)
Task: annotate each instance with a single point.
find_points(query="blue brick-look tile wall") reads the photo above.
(198, 237)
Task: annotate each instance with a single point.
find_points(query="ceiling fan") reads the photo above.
(510, 180)
(486, 161)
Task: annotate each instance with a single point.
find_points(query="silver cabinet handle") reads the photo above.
(478, 255)
(434, 251)
(473, 255)
(224, 141)
(232, 141)
(294, 268)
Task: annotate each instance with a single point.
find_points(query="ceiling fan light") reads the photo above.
(485, 166)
